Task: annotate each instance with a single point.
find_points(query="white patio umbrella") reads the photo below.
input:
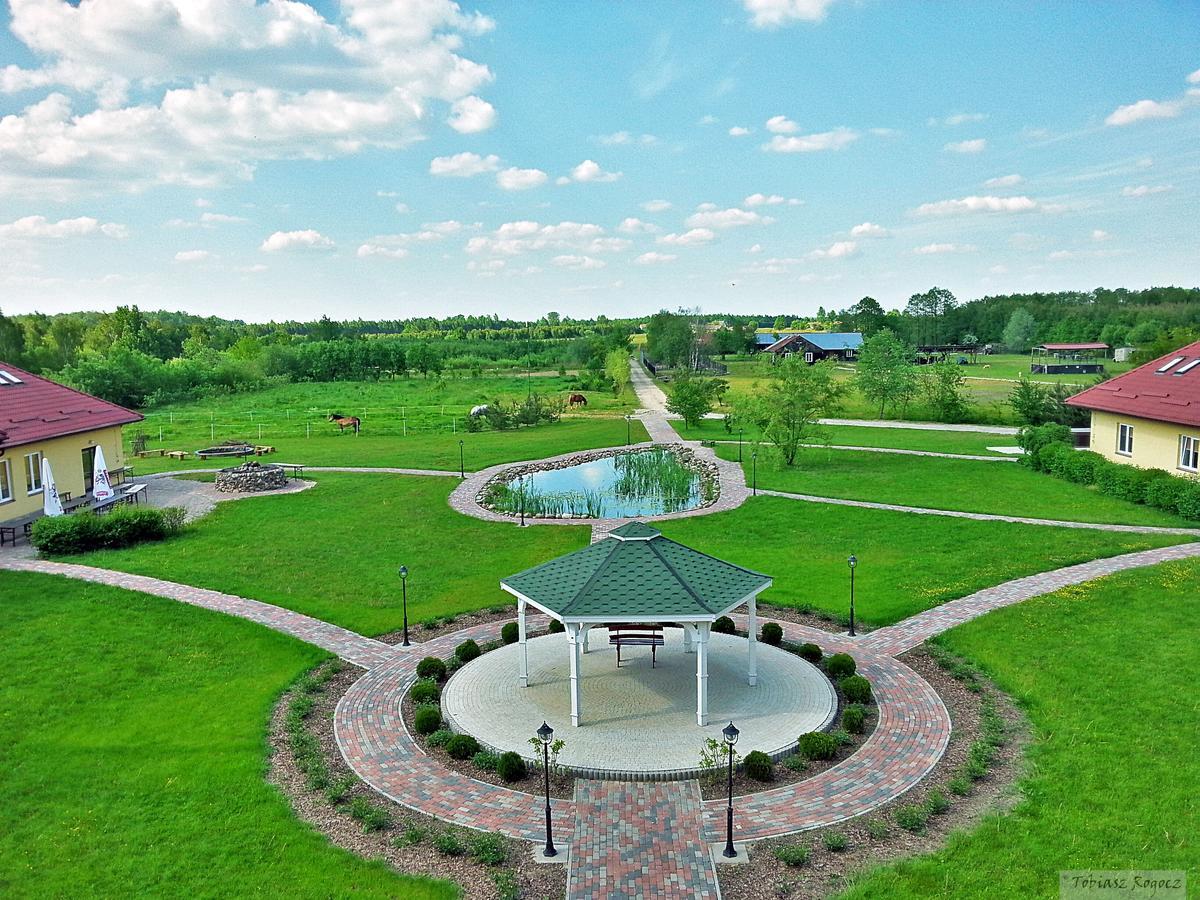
(102, 488)
(51, 504)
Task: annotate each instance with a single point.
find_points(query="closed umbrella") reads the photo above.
(51, 504)
(102, 488)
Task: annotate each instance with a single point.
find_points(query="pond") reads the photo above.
(641, 483)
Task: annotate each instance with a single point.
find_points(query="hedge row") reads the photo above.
(122, 527)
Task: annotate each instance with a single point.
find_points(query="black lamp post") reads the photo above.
(546, 735)
(521, 496)
(852, 562)
(627, 432)
(404, 592)
(740, 430)
(730, 733)
(754, 460)
(462, 469)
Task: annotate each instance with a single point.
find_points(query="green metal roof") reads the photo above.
(635, 572)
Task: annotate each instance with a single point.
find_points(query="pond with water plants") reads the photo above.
(622, 485)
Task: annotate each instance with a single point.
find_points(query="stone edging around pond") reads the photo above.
(731, 484)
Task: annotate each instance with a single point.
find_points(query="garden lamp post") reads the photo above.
(521, 498)
(546, 735)
(853, 563)
(730, 733)
(627, 431)
(404, 593)
(754, 467)
(740, 430)
(462, 470)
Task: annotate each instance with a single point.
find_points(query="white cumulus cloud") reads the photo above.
(934, 249)
(707, 215)
(781, 125)
(654, 206)
(470, 115)
(633, 225)
(571, 261)
(463, 165)
(1099, 234)
(976, 145)
(193, 256)
(653, 257)
(515, 179)
(589, 170)
(738, 131)
(868, 230)
(770, 200)
(296, 240)
(691, 238)
(41, 227)
(1144, 190)
(836, 250)
(973, 204)
(1003, 181)
(369, 249)
(625, 138)
(811, 143)
(777, 13)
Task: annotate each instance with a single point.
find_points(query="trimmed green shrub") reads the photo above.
(793, 855)
(1188, 504)
(840, 665)
(842, 737)
(449, 843)
(425, 690)
(723, 625)
(462, 746)
(467, 651)
(796, 762)
(439, 738)
(511, 767)
(936, 803)
(912, 818)
(772, 634)
(485, 760)
(1033, 439)
(1123, 482)
(339, 790)
(83, 532)
(835, 841)
(411, 836)
(1055, 459)
(856, 689)
(373, 818)
(557, 627)
(877, 829)
(959, 785)
(811, 652)
(510, 633)
(1081, 465)
(817, 745)
(1164, 493)
(759, 766)
(854, 719)
(431, 667)
(427, 719)
(490, 849)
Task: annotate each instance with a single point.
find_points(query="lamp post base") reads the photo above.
(740, 857)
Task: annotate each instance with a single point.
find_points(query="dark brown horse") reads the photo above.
(577, 400)
(344, 422)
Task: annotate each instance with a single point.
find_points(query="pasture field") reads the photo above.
(865, 436)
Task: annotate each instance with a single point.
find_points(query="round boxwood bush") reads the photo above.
(426, 690)
(856, 689)
(431, 667)
(810, 652)
(511, 767)
(467, 651)
(817, 745)
(427, 719)
(759, 766)
(556, 627)
(723, 625)
(462, 746)
(854, 719)
(840, 665)
(510, 633)
(772, 634)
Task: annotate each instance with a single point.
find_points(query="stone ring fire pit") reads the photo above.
(251, 477)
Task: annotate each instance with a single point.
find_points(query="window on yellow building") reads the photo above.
(1125, 439)
(5, 481)
(1189, 453)
(33, 472)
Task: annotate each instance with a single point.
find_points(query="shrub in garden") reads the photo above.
(427, 719)
(339, 790)
(412, 835)
(1164, 492)
(854, 719)
(960, 785)
(485, 760)
(723, 625)
(793, 855)
(1081, 465)
(842, 737)
(912, 817)
(557, 627)
(810, 652)
(1123, 482)
(449, 843)
(936, 803)
(425, 690)
(759, 766)
(1033, 439)
(439, 738)
(796, 762)
(1055, 459)
(511, 767)
(373, 818)
(84, 532)
(877, 829)
(510, 633)
(835, 841)
(1188, 504)
(840, 665)
(772, 634)
(489, 849)
(467, 651)
(817, 745)
(462, 746)
(856, 689)
(431, 667)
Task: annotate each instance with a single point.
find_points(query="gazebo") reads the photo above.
(637, 576)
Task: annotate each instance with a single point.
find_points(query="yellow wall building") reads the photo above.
(1155, 445)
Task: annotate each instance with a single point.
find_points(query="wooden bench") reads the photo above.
(263, 451)
(627, 635)
(296, 470)
(178, 454)
(159, 451)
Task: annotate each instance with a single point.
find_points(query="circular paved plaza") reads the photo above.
(636, 719)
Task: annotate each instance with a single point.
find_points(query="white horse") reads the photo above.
(477, 411)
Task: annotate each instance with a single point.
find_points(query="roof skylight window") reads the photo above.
(1164, 369)
(1183, 370)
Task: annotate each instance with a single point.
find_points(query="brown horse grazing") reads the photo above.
(344, 422)
(577, 400)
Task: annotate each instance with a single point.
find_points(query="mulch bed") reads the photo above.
(828, 872)
(812, 618)
(432, 628)
(476, 879)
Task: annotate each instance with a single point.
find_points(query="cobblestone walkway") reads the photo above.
(981, 517)
(635, 840)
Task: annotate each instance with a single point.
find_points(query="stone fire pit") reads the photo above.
(251, 477)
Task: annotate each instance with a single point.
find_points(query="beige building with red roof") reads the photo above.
(1150, 417)
(40, 418)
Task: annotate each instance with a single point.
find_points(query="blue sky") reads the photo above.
(389, 158)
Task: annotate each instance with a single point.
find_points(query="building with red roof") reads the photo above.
(40, 418)
(1149, 417)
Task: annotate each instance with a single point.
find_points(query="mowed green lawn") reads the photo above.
(966, 485)
(968, 442)
(132, 755)
(333, 551)
(1106, 672)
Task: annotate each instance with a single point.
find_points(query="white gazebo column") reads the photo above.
(575, 643)
(689, 635)
(523, 650)
(702, 632)
(587, 633)
(752, 639)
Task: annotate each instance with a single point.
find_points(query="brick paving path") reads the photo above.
(639, 840)
(981, 517)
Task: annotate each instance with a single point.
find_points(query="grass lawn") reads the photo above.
(333, 551)
(132, 746)
(957, 484)
(866, 436)
(438, 450)
(1112, 775)
(907, 563)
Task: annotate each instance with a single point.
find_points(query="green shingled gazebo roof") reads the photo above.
(636, 573)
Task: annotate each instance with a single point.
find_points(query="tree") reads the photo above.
(886, 374)
(424, 359)
(1020, 332)
(12, 340)
(616, 367)
(788, 410)
(1030, 401)
(866, 316)
(943, 387)
(669, 339)
(691, 398)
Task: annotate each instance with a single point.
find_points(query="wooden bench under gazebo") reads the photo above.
(637, 577)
